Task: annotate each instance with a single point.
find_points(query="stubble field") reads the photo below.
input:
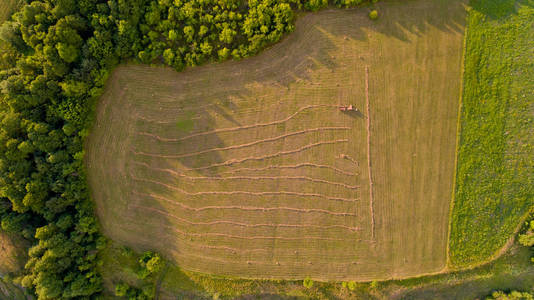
(249, 169)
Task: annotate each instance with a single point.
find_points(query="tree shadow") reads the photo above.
(354, 114)
(495, 10)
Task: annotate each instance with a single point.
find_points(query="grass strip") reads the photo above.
(495, 169)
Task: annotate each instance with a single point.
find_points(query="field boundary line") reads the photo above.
(177, 174)
(241, 224)
(252, 208)
(244, 192)
(371, 204)
(291, 167)
(253, 125)
(246, 144)
(236, 161)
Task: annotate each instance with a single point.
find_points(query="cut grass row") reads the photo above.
(495, 170)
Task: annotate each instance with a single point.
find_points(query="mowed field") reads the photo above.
(247, 168)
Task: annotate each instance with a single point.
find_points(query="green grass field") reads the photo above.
(249, 169)
(495, 171)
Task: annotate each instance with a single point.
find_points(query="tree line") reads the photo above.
(59, 56)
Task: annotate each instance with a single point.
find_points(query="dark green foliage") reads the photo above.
(527, 239)
(149, 266)
(48, 87)
(513, 295)
(131, 293)
(10, 33)
(121, 289)
(315, 5)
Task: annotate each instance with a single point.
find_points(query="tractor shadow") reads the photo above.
(354, 114)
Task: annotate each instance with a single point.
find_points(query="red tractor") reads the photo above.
(349, 107)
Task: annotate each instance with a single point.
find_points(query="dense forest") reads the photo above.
(59, 55)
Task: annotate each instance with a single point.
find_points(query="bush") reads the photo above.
(150, 263)
(527, 238)
(155, 264)
(373, 15)
(121, 289)
(513, 295)
(308, 283)
(132, 293)
(315, 5)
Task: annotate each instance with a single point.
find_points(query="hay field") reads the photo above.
(249, 169)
